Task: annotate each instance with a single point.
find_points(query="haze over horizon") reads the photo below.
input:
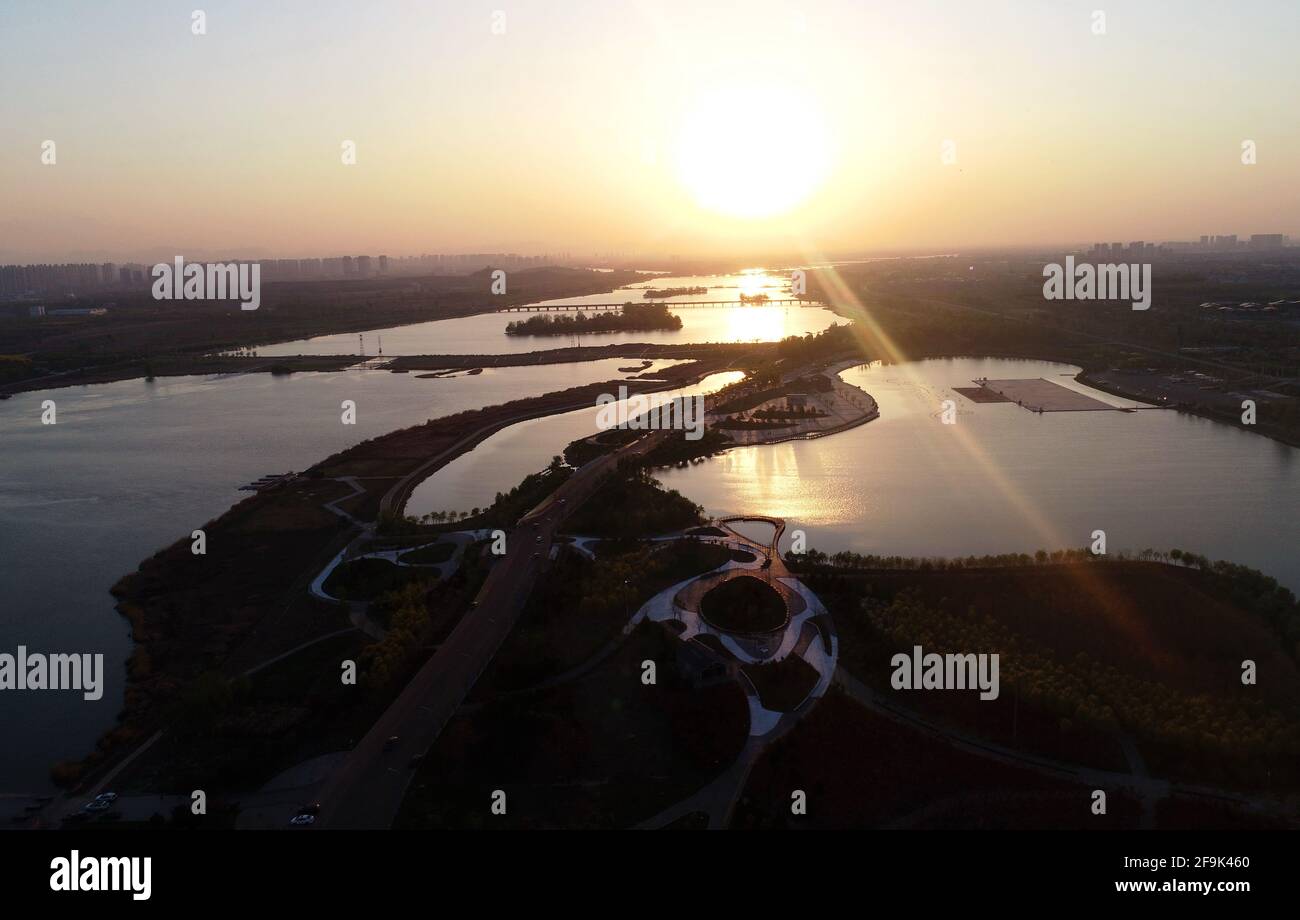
(794, 127)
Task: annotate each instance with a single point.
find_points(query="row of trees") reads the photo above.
(632, 504)
(847, 559)
(1226, 729)
(385, 662)
(786, 411)
(1248, 588)
(505, 510)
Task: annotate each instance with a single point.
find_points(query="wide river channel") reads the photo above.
(132, 466)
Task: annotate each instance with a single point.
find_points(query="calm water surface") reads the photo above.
(485, 334)
(132, 466)
(1003, 479)
(472, 480)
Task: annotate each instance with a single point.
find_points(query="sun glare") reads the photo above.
(752, 152)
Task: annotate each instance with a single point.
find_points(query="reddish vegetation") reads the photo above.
(860, 769)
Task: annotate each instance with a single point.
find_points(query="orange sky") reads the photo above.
(645, 128)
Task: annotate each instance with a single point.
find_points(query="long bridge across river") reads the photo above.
(580, 307)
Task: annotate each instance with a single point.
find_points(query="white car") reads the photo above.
(302, 820)
(109, 797)
(96, 806)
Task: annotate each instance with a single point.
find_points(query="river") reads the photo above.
(1002, 479)
(130, 467)
(484, 334)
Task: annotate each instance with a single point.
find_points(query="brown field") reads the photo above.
(863, 770)
(980, 395)
(1041, 395)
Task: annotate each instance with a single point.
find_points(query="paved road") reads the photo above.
(368, 788)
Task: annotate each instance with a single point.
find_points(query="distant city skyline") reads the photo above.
(377, 264)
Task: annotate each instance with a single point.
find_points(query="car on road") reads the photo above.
(391, 742)
(539, 539)
(109, 797)
(96, 806)
(305, 815)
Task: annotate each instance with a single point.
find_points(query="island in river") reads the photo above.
(633, 318)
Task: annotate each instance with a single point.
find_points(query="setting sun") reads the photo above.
(663, 415)
(752, 151)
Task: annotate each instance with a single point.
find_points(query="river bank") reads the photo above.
(179, 366)
(640, 350)
(244, 601)
(1225, 408)
(138, 331)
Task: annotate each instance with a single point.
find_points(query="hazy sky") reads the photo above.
(640, 127)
